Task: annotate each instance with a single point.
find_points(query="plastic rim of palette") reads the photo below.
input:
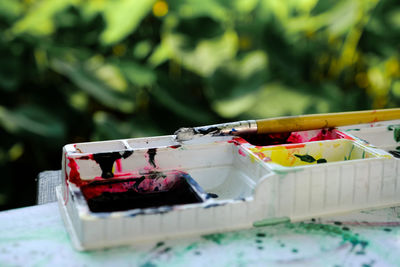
(133, 190)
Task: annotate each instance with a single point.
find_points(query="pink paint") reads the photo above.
(74, 175)
(241, 152)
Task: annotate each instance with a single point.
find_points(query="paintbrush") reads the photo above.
(289, 124)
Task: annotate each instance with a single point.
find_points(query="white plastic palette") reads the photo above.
(126, 191)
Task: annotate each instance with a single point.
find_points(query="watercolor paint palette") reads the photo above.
(133, 190)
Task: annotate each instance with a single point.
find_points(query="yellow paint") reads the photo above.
(331, 151)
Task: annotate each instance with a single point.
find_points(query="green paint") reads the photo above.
(396, 132)
(272, 221)
(216, 238)
(333, 230)
(355, 129)
(351, 151)
(398, 148)
(363, 155)
(306, 158)
(295, 250)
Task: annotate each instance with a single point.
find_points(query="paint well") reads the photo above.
(148, 191)
(312, 153)
(295, 137)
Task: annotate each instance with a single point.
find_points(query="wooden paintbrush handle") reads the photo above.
(328, 120)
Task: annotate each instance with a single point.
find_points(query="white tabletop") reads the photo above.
(35, 236)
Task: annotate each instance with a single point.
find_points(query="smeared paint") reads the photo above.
(395, 153)
(175, 147)
(152, 153)
(295, 137)
(272, 221)
(241, 152)
(305, 158)
(74, 175)
(216, 238)
(140, 193)
(106, 161)
(211, 195)
(310, 159)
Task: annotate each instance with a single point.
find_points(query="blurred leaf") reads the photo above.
(276, 100)
(160, 55)
(31, 119)
(10, 9)
(237, 79)
(120, 129)
(195, 8)
(123, 17)
(16, 151)
(142, 49)
(180, 108)
(208, 54)
(137, 74)
(39, 19)
(93, 86)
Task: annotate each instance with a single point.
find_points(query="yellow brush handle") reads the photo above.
(328, 120)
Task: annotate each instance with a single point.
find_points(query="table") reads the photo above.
(35, 236)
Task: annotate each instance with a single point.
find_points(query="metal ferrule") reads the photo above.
(231, 128)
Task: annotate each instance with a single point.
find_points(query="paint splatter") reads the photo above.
(216, 238)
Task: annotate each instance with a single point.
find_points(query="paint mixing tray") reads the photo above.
(126, 191)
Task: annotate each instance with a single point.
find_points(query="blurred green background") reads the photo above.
(76, 71)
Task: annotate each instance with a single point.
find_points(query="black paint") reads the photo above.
(313, 219)
(346, 228)
(138, 182)
(152, 153)
(208, 130)
(259, 241)
(260, 247)
(106, 161)
(321, 161)
(387, 229)
(267, 139)
(261, 235)
(306, 158)
(395, 153)
(338, 223)
(180, 193)
(211, 195)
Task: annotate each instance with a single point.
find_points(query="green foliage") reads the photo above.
(74, 70)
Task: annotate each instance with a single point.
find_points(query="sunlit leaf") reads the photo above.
(123, 17)
(39, 19)
(207, 55)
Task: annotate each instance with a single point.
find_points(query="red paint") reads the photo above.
(242, 153)
(74, 176)
(144, 183)
(175, 147)
(118, 166)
